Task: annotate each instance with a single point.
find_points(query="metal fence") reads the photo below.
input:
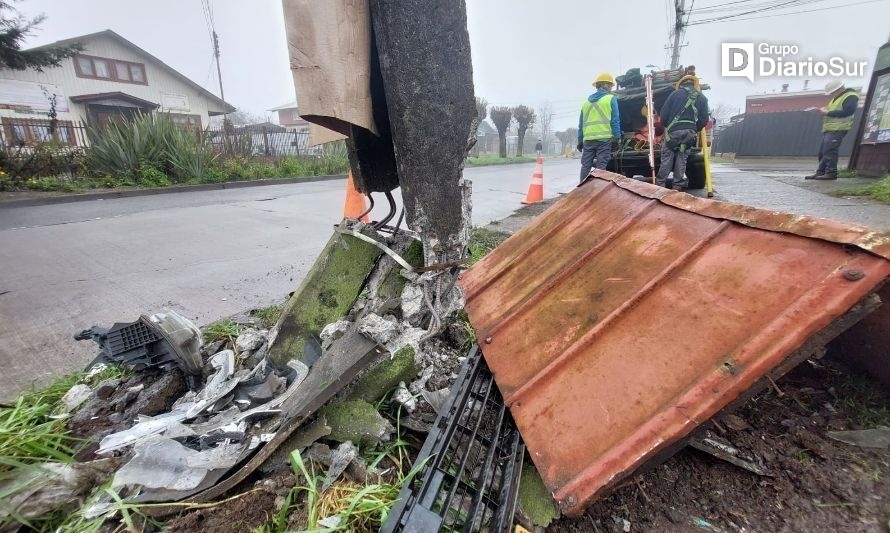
(797, 133)
(20, 137)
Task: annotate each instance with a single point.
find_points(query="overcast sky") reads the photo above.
(524, 51)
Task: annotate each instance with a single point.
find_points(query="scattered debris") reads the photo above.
(878, 437)
(356, 421)
(75, 397)
(714, 446)
(160, 340)
(49, 487)
(250, 340)
(403, 397)
(341, 458)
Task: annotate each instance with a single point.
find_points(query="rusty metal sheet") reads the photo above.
(626, 315)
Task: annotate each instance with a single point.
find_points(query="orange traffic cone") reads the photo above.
(536, 188)
(355, 201)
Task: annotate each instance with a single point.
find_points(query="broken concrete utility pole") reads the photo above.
(395, 78)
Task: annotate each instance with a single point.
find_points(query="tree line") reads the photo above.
(524, 118)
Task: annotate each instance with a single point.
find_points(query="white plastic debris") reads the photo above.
(878, 437)
(331, 522)
(163, 463)
(183, 335)
(219, 385)
(169, 425)
(75, 397)
(403, 397)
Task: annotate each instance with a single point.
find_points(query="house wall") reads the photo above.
(784, 104)
(286, 119)
(159, 80)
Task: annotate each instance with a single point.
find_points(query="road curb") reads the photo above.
(52, 200)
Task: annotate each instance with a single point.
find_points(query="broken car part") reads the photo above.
(469, 463)
(160, 340)
(640, 313)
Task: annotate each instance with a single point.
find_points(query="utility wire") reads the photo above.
(694, 23)
(737, 6)
(797, 12)
(786, 3)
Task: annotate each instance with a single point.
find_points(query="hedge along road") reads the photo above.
(206, 254)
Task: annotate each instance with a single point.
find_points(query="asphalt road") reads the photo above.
(208, 254)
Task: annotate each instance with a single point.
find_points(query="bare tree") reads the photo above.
(481, 109)
(568, 137)
(502, 116)
(722, 113)
(545, 121)
(525, 118)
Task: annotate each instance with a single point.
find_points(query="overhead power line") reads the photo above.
(695, 23)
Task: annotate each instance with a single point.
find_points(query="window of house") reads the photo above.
(85, 65)
(192, 121)
(101, 67)
(109, 69)
(19, 132)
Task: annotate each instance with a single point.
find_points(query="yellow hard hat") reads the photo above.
(688, 77)
(605, 77)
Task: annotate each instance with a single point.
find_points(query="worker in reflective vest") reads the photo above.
(837, 121)
(598, 125)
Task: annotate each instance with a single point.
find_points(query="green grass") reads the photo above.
(224, 330)
(880, 191)
(865, 399)
(483, 241)
(32, 429)
(269, 315)
(361, 508)
(487, 160)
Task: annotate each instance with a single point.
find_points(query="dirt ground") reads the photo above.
(814, 483)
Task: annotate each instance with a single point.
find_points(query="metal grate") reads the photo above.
(472, 460)
(129, 336)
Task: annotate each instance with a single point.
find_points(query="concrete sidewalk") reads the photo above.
(788, 192)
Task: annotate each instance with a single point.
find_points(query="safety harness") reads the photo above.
(690, 102)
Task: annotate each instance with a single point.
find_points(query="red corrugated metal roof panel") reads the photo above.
(626, 315)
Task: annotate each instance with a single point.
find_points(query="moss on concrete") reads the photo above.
(534, 498)
(326, 294)
(385, 376)
(354, 420)
(394, 282)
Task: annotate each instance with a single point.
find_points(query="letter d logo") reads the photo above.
(737, 60)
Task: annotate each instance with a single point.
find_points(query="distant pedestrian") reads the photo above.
(837, 121)
(685, 113)
(539, 147)
(598, 125)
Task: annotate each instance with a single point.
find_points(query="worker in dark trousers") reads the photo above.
(837, 121)
(598, 125)
(539, 147)
(684, 113)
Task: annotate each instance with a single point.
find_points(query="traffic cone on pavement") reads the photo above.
(355, 201)
(536, 188)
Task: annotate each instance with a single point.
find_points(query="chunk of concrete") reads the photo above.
(75, 397)
(249, 340)
(326, 294)
(385, 376)
(356, 421)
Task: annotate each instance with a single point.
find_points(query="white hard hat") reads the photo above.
(833, 85)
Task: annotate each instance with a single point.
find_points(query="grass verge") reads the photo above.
(483, 241)
(488, 160)
(880, 190)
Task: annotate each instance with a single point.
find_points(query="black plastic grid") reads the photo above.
(472, 460)
(129, 336)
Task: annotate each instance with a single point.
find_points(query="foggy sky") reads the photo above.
(524, 51)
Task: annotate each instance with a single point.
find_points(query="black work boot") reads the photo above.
(812, 176)
(826, 176)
